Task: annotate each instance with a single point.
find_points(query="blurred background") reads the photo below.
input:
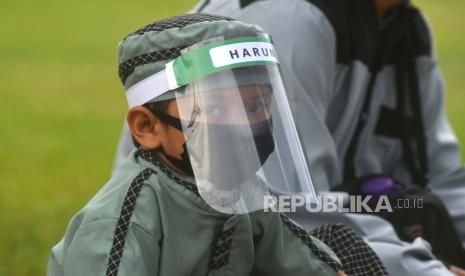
(62, 108)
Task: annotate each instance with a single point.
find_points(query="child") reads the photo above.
(205, 98)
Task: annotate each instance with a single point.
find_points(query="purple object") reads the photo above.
(379, 186)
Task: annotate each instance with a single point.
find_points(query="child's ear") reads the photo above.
(145, 127)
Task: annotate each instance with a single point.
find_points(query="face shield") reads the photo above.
(241, 139)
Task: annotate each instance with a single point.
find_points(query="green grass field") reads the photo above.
(62, 107)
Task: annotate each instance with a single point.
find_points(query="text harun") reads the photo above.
(252, 52)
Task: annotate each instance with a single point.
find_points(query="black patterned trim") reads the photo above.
(148, 156)
(305, 237)
(357, 257)
(127, 68)
(221, 248)
(223, 239)
(121, 231)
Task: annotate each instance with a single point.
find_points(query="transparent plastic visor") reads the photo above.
(241, 139)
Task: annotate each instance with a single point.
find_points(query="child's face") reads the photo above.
(246, 105)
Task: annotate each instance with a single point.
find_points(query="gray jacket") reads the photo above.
(324, 64)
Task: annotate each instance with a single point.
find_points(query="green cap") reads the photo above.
(146, 51)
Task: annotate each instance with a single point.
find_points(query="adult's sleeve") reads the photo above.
(86, 251)
(446, 172)
(400, 258)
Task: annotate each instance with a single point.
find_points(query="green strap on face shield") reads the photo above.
(203, 61)
(220, 56)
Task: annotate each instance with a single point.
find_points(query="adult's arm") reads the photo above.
(446, 172)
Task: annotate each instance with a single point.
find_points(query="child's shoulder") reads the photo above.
(129, 194)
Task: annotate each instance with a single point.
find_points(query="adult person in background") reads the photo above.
(358, 113)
